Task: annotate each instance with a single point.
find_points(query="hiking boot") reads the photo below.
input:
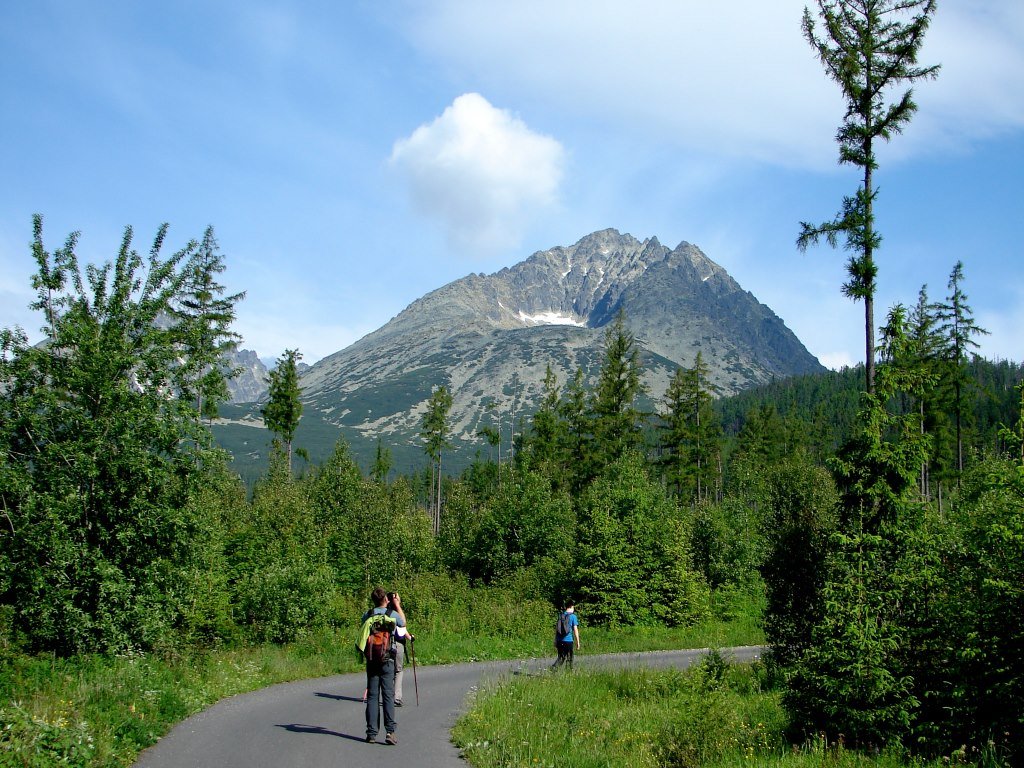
(390, 739)
(370, 739)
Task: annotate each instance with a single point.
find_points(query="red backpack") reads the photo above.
(378, 642)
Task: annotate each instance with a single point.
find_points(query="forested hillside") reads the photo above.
(820, 410)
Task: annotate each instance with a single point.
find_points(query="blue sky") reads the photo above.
(353, 156)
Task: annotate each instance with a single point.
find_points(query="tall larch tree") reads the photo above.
(869, 47)
(435, 436)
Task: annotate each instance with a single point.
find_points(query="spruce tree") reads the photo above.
(617, 421)
(633, 558)
(763, 440)
(577, 435)
(927, 347)
(283, 410)
(1015, 435)
(675, 433)
(800, 517)
(868, 47)
(382, 464)
(690, 433)
(959, 329)
(205, 316)
(544, 439)
(852, 677)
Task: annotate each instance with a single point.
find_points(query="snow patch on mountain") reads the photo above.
(550, 318)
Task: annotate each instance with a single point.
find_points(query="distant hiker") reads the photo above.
(400, 638)
(567, 630)
(375, 645)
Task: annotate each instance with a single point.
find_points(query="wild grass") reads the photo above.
(717, 716)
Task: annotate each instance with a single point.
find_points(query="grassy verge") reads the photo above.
(102, 711)
(718, 716)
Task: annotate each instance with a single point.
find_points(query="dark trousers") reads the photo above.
(564, 653)
(380, 686)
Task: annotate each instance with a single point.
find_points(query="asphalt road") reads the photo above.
(320, 723)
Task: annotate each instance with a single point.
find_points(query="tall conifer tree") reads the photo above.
(577, 435)
(544, 439)
(868, 47)
(283, 410)
(435, 435)
(959, 329)
(382, 463)
(205, 315)
(617, 421)
(690, 432)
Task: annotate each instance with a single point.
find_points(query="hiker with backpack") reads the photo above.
(399, 640)
(567, 630)
(375, 643)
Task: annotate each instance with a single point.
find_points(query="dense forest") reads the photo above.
(881, 533)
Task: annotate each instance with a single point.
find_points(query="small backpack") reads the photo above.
(563, 626)
(378, 641)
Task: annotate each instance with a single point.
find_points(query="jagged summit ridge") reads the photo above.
(677, 302)
(580, 285)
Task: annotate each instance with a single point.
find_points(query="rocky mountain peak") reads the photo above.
(490, 338)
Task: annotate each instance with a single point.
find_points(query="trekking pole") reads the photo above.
(415, 682)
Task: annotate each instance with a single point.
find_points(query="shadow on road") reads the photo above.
(319, 730)
(336, 697)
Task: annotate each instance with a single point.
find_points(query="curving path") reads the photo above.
(320, 723)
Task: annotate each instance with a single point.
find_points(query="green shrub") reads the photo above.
(33, 741)
(284, 600)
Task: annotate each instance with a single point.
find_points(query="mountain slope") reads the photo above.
(489, 339)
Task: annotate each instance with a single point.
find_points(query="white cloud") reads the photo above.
(481, 171)
(977, 94)
(735, 79)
